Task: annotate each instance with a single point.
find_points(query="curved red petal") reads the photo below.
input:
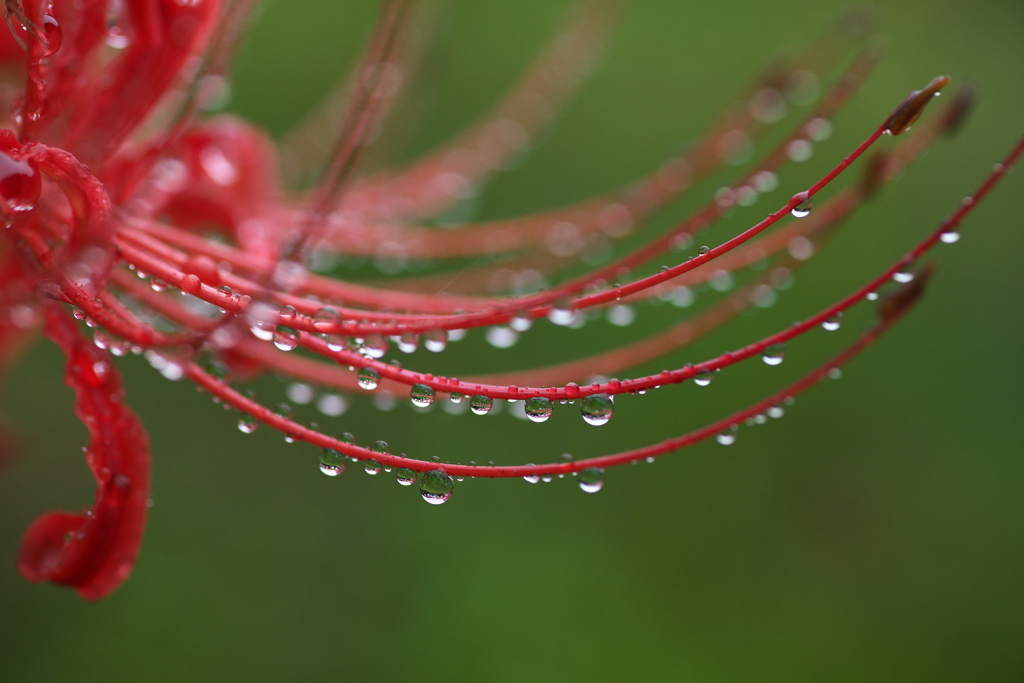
(94, 552)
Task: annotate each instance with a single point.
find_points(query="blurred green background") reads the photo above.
(874, 533)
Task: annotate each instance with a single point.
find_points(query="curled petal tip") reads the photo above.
(908, 112)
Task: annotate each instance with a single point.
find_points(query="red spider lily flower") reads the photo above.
(113, 179)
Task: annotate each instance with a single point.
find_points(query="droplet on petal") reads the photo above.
(20, 183)
(53, 35)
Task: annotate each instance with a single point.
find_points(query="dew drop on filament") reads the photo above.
(832, 324)
(591, 479)
(247, 423)
(421, 395)
(480, 405)
(368, 379)
(538, 408)
(803, 206)
(436, 487)
(903, 277)
(703, 379)
(285, 338)
(405, 476)
(597, 409)
(726, 438)
(332, 462)
(774, 354)
(436, 341)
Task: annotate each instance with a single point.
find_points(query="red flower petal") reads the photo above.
(94, 552)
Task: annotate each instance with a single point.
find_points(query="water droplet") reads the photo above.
(283, 410)
(833, 323)
(421, 395)
(803, 205)
(408, 342)
(289, 275)
(405, 476)
(903, 277)
(436, 340)
(702, 379)
(775, 412)
(368, 378)
(799, 150)
(621, 315)
(774, 354)
(375, 346)
(380, 448)
(562, 315)
(726, 438)
(332, 462)
(538, 408)
(871, 296)
(703, 250)
(520, 323)
(372, 467)
(597, 409)
(285, 338)
(591, 479)
(950, 237)
(247, 423)
(326, 319)
(299, 392)
(331, 405)
(261, 318)
(480, 405)
(501, 337)
(531, 478)
(456, 397)
(436, 487)
(20, 183)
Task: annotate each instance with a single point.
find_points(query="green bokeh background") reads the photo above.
(875, 533)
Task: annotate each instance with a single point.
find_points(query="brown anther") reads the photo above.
(908, 112)
(875, 174)
(896, 303)
(956, 113)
